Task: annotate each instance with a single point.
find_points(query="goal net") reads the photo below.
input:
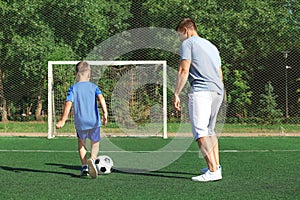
(135, 94)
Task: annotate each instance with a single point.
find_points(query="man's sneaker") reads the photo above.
(92, 168)
(204, 170)
(209, 176)
(84, 171)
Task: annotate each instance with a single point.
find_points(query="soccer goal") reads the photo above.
(135, 93)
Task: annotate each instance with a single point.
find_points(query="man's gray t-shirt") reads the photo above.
(205, 64)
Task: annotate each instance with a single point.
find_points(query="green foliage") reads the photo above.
(240, 94)
(298, 90)
(226, 22)
(32, 32)
(84, 24)
(245, 32)
(268, 111)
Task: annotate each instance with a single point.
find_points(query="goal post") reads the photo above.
(137, 94)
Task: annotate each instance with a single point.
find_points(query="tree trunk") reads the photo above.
(3, 110)
(38, 110)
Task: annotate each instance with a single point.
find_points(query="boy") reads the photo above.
(84, 96)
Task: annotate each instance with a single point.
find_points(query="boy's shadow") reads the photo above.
(20, 170)
(63, 166)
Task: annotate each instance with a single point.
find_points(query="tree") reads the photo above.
(268, 111)
(248, 34)
(32, 32)
(84, 24)
(18, 30)
(239, 94)
(298, 91)
(27, 45)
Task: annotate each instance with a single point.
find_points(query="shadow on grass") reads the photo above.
(162, 174)
(72, 167)
(20, 170)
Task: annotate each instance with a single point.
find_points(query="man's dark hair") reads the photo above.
(186, 23)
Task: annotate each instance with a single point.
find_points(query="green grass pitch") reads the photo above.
(253, 168)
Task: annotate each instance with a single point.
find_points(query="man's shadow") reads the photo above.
(163, 174)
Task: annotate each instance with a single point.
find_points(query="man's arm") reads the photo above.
(66, 112)
(221, 73)
(104, 109)
(182, 75)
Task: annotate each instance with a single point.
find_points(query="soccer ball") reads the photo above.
(104, 164)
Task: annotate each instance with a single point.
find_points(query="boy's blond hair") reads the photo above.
(83, 70)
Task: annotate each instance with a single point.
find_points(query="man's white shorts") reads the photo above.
(203, 110)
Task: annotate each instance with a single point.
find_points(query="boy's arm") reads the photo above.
(65, 115)
(104, 109)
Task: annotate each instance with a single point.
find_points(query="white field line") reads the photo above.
(188, 151)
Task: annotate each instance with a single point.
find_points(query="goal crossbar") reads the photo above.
(104, 63)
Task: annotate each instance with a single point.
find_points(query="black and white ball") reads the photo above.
(104, 164)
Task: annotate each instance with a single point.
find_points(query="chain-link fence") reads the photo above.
(258, 42)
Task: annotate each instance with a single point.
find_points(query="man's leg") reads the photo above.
(216, 152)
(215, 106)
(200, 107)
(208, 146)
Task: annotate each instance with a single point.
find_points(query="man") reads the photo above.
(200, 63)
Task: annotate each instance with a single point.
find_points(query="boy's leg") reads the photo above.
(94, 149)
(94, 136)
(82, 155)
(82, 151)
(91, 162)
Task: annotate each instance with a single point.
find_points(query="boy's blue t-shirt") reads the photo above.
(205, 64)
(85, 108)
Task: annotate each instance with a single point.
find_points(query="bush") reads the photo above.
(291, 120)
(255, 120)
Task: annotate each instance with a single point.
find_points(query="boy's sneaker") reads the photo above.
(84, 171)
(209, 176)
(204, 170)
(92, 168)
